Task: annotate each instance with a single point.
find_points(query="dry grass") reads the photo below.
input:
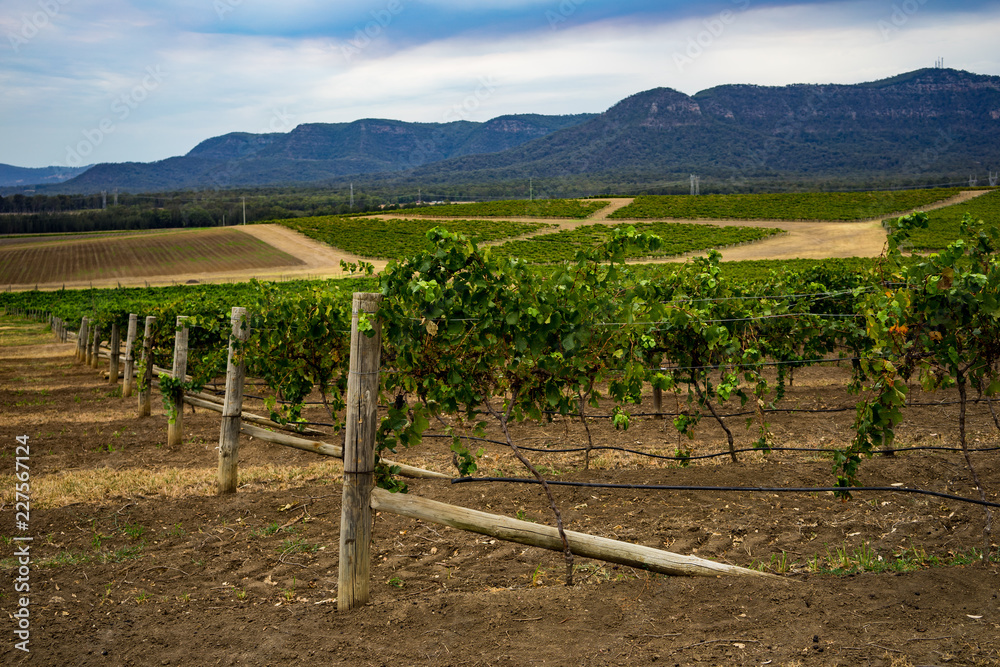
(16, 333)
(98, 485)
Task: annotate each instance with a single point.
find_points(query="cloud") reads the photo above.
(261, 66)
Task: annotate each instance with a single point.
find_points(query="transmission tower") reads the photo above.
(695, 184)
(973, 181)
(993, 179)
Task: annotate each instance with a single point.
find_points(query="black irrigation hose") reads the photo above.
(759, 489)
(731, 414)
(817, 411)
(572, 450)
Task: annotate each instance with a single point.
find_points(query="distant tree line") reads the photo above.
(53, 214)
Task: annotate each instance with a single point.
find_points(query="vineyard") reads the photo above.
(784, 206)
(451, 319)
(675, 239)
(546, 208)
(396, 239)
(946, 223)
(492, 359)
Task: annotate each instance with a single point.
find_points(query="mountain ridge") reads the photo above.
(929, 121)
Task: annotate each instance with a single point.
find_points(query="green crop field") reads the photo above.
(677, 238)
(785, 206)
(944, 222)
(539, 208)
(395, 239)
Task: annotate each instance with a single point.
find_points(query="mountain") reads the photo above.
(925, 122)
(319, 151)
(11, 176)
(928, 124)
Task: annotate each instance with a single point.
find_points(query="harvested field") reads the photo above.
(177, 254)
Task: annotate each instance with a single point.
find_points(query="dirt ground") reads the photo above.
(137, 562)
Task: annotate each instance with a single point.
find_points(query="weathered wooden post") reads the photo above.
(359, 455)
(115, 358)
(81, 340)
(146, 369)
(95, 347)
(175, 428)
(129, 381)
(229, 432)
(658, 402)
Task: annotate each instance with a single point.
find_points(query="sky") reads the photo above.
(88, 81)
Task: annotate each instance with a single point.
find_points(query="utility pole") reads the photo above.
(116, 196)
(531, 189)
(104, 199)
(244, 210)
(352, 196)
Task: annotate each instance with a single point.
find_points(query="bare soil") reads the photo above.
(180, 576)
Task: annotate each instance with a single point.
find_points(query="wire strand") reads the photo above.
(740, 489)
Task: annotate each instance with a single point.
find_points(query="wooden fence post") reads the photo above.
(81, 340)
(359, 456)
(95, 347)
(658, 402)
(85, 335)
(115, 354)
(175, 429)
(229, 432)
(129, 382)
(146, 381)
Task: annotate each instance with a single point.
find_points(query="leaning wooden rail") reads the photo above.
(546, 537)
(201, 402)
(335, 451)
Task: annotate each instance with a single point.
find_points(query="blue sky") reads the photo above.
(87, 81)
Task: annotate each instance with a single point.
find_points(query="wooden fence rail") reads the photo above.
(547, 537)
